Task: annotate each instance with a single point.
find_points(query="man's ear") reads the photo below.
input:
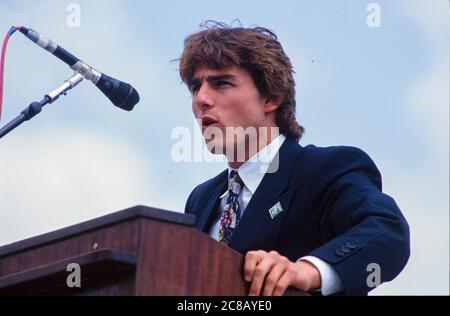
(273, 102)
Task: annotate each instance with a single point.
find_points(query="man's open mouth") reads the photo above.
(207, 121)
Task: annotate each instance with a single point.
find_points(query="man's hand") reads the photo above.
(271, 274)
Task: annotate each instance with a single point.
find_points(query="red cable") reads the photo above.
(2, 63)
(2, 68)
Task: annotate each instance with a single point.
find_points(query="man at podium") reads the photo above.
(304, 216)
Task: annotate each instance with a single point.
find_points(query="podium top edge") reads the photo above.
(135, 212)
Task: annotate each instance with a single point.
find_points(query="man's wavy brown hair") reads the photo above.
(255, 49)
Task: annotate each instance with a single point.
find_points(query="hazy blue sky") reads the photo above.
(383, 89)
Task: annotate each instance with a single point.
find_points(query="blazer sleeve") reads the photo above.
(190, 203)
(363, 228)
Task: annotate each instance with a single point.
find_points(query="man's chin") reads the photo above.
(214, 147)
(218, 147)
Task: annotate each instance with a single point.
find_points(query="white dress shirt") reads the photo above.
(252, 173)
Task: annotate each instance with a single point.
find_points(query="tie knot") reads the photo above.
(235, 183)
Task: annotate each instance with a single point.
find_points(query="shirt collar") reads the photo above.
(252, 171)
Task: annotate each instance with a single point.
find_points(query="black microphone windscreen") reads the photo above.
(121, 94)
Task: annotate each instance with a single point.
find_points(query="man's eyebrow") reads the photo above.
(194, 81)
(214, 78)
(221, 77)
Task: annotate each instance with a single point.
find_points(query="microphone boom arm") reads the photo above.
(36, 107)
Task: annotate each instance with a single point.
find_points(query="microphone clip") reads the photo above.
(87, 72)
(68, 84)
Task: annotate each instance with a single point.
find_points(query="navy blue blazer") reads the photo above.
(334, 209)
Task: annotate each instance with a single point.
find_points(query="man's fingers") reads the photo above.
(283, 283)
(252, 258)
(273, 277)
(260, 272)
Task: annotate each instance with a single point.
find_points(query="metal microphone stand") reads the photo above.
(36, 107)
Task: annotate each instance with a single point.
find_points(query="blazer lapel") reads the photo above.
(257, 228)
(211, 202)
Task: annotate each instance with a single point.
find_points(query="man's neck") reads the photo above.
(250, 151)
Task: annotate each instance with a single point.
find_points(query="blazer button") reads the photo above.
(351, 245)
(346, 250)
(340, 253)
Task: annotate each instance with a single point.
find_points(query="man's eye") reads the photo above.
(194, 89)
(222, 83)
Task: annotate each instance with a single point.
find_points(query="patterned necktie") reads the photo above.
(231, 212)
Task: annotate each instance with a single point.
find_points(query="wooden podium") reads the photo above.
(137, 251)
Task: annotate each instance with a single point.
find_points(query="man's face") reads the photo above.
(227, 97)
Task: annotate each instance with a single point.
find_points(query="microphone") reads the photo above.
(121, 94)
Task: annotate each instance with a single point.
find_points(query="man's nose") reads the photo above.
(203, 98)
